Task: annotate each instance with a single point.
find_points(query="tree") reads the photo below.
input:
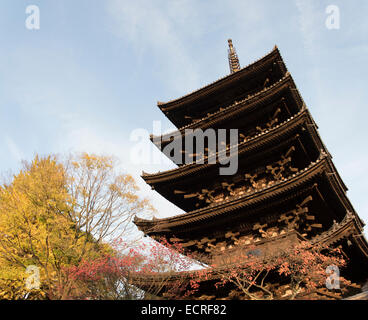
(252, 274)
(34, 228)
(148, 270)
(53, 215)
(104, 203)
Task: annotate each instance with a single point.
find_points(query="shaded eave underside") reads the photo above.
(208, 89)
(349, 227)
(323, 165)
(255, 142)
(249, 103)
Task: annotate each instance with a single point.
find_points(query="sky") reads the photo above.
(90, 77)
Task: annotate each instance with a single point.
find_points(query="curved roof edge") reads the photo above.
(170, 104)
(258, 137)
(266, 93)
(162, 225)
(348, 228)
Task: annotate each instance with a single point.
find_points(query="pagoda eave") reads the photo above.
(347, 230)
(247, 105)
(263, 139)
(222, 93)
(274, 55)
(288, 186)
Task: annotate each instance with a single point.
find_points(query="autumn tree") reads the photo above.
(147, 270)
(256, 275)
(53, 215)
(34, 228)
(104, 203)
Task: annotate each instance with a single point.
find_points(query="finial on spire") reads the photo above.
(233, 58)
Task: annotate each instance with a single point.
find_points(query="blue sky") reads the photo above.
(94, 71)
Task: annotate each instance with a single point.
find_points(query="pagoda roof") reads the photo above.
(256, 141)
(215, 91)
(289, 185)
(350, 225)
(348, 228)
(252, 67)
(247, 104)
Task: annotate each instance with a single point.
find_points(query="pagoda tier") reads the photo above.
(308, 201)
(225, 91)
(263, 159)
(286, 188)
(346, 235)
(251, 116)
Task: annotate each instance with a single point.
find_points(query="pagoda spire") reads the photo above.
(233, 58)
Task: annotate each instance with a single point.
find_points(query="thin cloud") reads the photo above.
(308, 24)
(16, 153)
(156, 30)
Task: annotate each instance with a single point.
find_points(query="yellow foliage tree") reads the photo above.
(104, 202)
(53, 215)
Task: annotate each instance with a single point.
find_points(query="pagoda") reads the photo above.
(286, 188)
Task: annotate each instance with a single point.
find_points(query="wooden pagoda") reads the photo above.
(286, 188)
